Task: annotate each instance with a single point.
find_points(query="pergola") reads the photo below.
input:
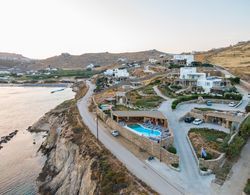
(154, 116)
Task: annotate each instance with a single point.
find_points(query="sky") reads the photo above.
(44, 28)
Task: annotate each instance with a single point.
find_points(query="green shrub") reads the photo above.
(175, 165)
(203, 168)
(172, 149)
(235, 146)
(245, 128)
(233, 96)
(248, 108)
(247, 187)
(235, 80)
(208, 157)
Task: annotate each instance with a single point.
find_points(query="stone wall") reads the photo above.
(152, 147)
(212, 164)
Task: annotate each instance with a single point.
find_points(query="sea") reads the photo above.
(20, 107)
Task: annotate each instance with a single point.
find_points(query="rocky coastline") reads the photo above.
(76, 162)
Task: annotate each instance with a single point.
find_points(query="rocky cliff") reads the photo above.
(76, 162)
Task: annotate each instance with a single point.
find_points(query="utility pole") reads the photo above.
(97, 126)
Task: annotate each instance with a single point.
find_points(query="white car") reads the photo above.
(197, 121)
(115, 133)
(248, 95)
(231, 104)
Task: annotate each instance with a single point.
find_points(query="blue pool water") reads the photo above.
(139, 129)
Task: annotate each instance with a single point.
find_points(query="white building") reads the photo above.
(152, 61)
(117, 73)
(208, 83)
(189, 58)
(191, 73)
(90, 66)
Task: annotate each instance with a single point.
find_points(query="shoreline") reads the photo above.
(38, 85)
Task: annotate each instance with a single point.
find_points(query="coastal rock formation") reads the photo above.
(76, 162)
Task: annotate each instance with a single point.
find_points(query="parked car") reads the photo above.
(115, 133)
(231, 104)
(189, 119)
(197, 121)
(209, 103)
(248, 95)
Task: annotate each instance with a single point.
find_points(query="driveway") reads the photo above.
(139, 168)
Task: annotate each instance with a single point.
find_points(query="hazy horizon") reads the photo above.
(44, 28)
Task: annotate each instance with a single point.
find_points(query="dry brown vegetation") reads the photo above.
(235, 58)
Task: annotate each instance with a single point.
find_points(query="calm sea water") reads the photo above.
(20, 107)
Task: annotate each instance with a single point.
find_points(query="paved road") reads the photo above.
(134, 165)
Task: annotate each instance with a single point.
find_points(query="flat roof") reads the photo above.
(227, 116)
(150, 114)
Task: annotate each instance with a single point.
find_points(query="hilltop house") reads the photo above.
(191, 73)
(189, 58)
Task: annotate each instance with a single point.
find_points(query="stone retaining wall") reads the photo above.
(212, 164)
(152, 147)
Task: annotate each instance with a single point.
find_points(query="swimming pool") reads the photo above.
(139, 129)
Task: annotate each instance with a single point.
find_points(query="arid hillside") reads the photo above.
(235, 58)
(10, 60)
(68, 61)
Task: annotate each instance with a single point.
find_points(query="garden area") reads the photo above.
(165, 90)
(139, 101)
(149, 100)
(209, 139)
(227, 96)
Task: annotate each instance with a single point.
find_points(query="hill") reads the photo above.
(234, 58)
(11, 60)
(69, 61)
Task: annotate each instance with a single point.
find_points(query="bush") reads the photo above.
(208, 157)
(203, 168)
(245, 128)
(172, 149)
(233, 96)
(235, 146)
(247, 187)
(235, 80)
(248, 108)
(175, 165)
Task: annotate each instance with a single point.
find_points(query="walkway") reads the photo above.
(159, 93)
